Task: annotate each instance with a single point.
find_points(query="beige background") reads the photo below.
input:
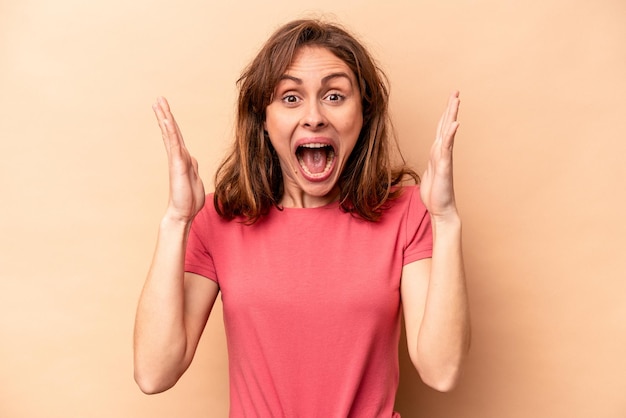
(539, 172)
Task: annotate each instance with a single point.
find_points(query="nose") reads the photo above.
(313, 117)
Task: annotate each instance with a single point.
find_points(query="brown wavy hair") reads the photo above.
(249, 181)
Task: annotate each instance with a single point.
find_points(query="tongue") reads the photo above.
(314, 159)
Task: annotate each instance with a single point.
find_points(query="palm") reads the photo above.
(437, 189)
(186, 187)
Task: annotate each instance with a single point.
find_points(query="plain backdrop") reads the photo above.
(539, 171)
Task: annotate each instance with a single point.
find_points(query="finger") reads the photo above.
(158, 113)
(440, 126)
(448, 142)
(162, 101)
(161, 118)
(170, 132)
(451, 125)
(178, 133)
(170, 117)
(449, 115)
(452, 109)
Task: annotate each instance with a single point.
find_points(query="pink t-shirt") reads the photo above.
(312, 305)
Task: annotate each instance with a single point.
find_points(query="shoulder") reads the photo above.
(208, 217)
(208, 210)
(406, 207)
(407, 196)
(409, 191)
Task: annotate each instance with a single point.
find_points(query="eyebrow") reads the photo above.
(325, 80)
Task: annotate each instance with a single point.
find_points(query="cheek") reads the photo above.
(278, 138)
(275, 123)
(353, 125)
(355, 132)
(270, 118)
(353, 118)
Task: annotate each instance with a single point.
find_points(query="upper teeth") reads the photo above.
(314, 145)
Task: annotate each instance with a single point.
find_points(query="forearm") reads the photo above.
(444, 335)
(160, 340)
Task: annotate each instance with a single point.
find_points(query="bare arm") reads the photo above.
(434, 293)
(174, 306)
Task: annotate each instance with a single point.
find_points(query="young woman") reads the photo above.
(314, 242)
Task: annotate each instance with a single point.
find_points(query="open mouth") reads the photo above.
(315, 159)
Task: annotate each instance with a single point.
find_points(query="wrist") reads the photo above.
(448, 222)
(173, 221)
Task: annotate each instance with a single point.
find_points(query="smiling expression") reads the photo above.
(314, 122)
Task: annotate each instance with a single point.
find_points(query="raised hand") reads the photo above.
(187, 195)
(437, 189)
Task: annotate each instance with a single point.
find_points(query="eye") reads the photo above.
(334, 97)
(290, 99)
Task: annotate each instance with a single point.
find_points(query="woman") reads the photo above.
(313, 242)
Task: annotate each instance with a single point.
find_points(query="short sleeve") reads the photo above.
(419, 234)
(198, 258)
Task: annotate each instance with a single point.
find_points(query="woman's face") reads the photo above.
(313, 122)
